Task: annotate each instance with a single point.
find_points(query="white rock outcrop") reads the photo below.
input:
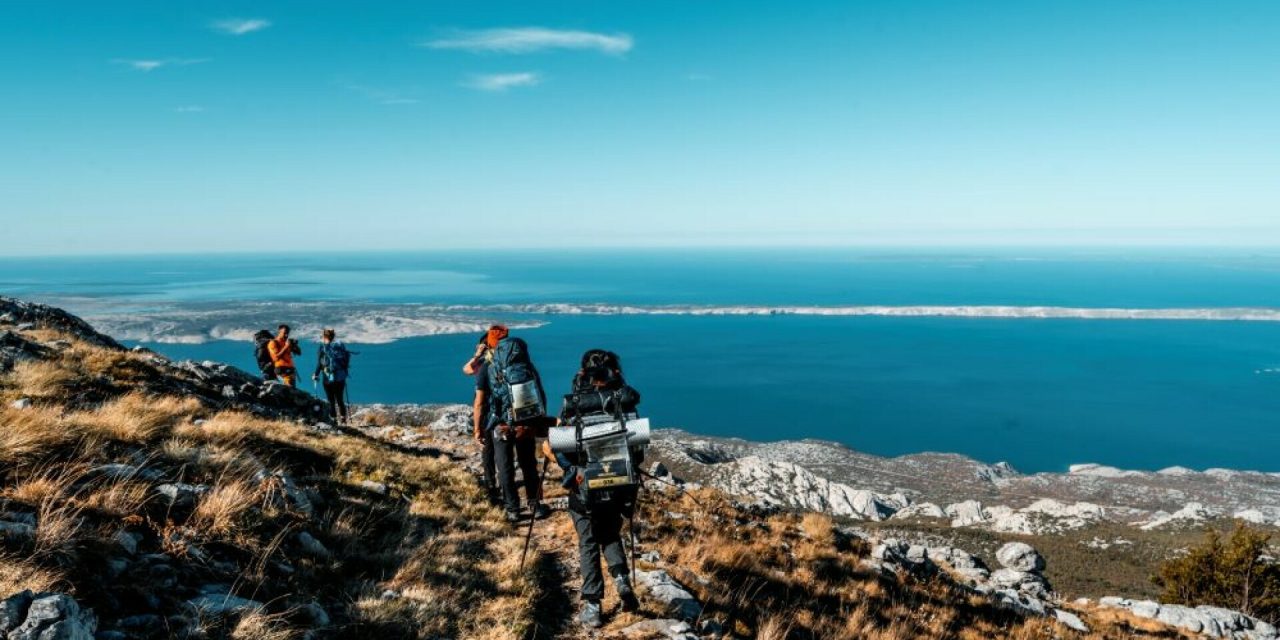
(1214, 622)
(781, 483)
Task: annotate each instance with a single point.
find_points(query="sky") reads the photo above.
(145, 127)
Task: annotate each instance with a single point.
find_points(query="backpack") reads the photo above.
(337, 361)
(514, 384)
(260, 352)
(609, 464)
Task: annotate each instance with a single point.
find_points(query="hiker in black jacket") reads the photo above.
(599, 392)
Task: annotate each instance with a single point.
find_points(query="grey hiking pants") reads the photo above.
(600, 530)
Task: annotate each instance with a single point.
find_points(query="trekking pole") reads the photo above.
(533, 517)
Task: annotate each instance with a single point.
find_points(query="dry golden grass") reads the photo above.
(28, 434)
(42, 379)
(58, 524)
(134, 417)
(260, 626)
(221, 510)
(19, 574)
(119, 498)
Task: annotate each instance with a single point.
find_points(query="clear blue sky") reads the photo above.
(181, 126)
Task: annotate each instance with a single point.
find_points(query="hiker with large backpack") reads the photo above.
(333, 362)
(517, 407)
(601, 479)
(263, 355)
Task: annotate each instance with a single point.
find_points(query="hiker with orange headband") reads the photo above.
(517, 406)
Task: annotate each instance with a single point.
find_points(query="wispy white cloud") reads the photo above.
(239, 26)
(189, 108)
(151, 64)
(531, 40)
(498, 82)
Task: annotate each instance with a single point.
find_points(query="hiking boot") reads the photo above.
(590, 615)
(512, 516)
(630, 603)
(541, 511)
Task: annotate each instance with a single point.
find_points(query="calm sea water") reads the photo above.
(1038, 393)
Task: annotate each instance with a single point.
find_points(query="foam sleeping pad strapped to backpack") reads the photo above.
(514, 383)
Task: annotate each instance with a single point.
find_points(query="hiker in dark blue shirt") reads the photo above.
(481, 413)
(333, 362)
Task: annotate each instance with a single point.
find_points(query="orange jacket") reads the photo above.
(281, 355)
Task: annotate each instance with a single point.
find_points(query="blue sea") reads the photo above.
(887, 351)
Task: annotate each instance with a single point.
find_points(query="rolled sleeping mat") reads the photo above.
(565, 439)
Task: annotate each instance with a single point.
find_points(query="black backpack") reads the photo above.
(260, 352)
(514, 384)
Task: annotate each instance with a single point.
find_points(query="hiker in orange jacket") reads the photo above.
(282, 350)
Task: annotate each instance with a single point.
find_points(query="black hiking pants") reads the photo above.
(599, 531)
(506, 455)
(488, 464)
(336, 392)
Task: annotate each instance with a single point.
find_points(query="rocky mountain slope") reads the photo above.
(828, 477)
(146, 498)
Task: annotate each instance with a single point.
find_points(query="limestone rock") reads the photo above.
(1020, 556)
(666, 628)
(1214, 622)
(775, 482)
(13, 610)
(674, 597)
(920, 510)
(1071, 620)
(55, 616)
(969, 512)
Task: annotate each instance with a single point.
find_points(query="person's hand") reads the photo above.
(479, 436)
(578, 480)
(314, 377)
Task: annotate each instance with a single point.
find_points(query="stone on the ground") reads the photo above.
(21, 403)
(312, 546)
(223, 604)
(673, 629)
(127, 541)
(1032, 584)
(181, 494)
(676, 600)
(55, 616)
(967, 513)
(1071, 620)
(1020, 556)
(16, 532)
(13, 610)
(1214, 622)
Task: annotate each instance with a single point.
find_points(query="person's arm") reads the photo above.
(319, 363)
(478, 415)
(273, 348)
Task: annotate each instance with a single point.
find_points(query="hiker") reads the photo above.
(478, 366)
(600, 394)
(333, 361)
(517, 408)
(282, 350)
(263, 355)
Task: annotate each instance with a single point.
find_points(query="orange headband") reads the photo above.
(496, 333)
